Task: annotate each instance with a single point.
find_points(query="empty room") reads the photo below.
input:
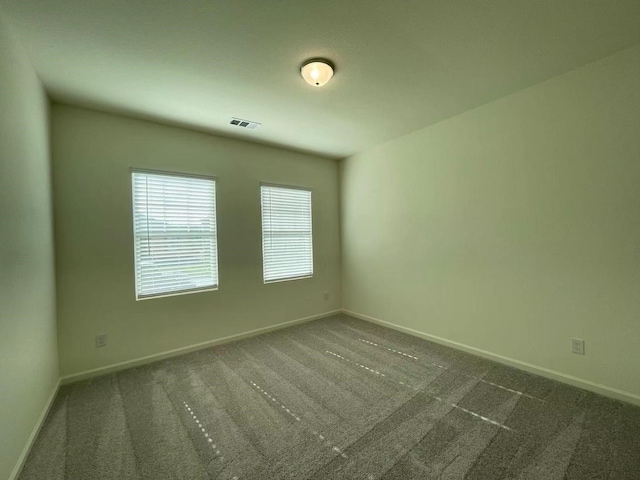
(288, 239)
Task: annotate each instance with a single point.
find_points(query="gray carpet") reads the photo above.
(337, 398)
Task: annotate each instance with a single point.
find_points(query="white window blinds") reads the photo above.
(287, 246)
(174, 227)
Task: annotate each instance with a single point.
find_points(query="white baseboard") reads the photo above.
(34, 433)
(605, 390)
(190, 348)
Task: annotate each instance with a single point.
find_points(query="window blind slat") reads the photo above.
(175, 237)
(287, 240)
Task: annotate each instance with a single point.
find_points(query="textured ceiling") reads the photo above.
(400, 65)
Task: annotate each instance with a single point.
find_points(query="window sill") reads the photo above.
(289, 279)
(213, 288)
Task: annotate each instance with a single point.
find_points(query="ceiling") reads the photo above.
(400, 64)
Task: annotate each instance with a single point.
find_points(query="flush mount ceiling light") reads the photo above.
(317, 72)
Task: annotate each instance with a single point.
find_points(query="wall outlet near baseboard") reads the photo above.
(577, 346)
(101, 340)
(326, 296)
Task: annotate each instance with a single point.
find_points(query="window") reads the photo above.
(174, 225)
(287, 247)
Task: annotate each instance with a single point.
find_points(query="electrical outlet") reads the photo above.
(577, 346)
(326, 296)
(101, 340)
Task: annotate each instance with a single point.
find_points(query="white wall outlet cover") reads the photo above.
(577, 346)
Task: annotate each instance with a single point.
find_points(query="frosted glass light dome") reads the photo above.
(317, 72)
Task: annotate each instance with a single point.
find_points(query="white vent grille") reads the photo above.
(239, 122)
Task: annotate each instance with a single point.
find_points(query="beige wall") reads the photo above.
(28, 345)
(512, 227)
(92, 155)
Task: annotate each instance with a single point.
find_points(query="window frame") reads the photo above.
(210, 288)
(262, 230)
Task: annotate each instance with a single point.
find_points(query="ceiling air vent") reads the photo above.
(238, 122)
